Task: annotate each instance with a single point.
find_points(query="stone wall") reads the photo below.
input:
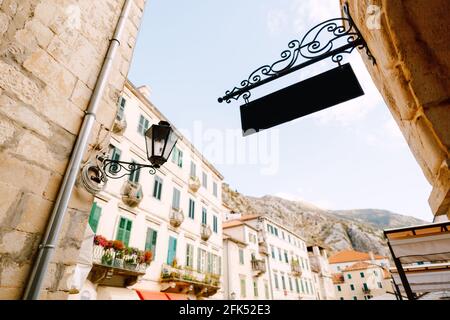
(411, 41)
(51, 52)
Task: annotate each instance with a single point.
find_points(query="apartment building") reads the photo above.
(245, 267)
(288, 266)
(362, 281)
(176, 214)
(322, 275)
(343, 259)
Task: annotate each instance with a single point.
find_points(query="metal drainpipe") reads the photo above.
(49, 242)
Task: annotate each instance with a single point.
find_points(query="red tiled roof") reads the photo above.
(351, 255)
(360, 266)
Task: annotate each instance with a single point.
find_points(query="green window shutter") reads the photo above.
(191, 209)
(199, 263)
(215, 224)
(150, 242)
(121, 229)
(94, 217)
(128, 232)
(171, 254)
(297, 287)
(204, 216)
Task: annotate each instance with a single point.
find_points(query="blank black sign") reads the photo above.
(311, 95)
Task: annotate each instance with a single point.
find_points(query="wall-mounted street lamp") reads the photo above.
(160, 140)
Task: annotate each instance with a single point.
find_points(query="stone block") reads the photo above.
(439, 116)
(81, 95)
(35, 214)
(22, 174)
(43, 66)
(13, 242)
(14, 274)
(8, 198)
(36, 150)
(59, 110)
(14, 81)
(10, 293)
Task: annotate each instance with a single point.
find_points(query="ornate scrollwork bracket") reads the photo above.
(330, 39)
(115, 169)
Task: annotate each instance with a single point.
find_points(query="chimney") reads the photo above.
(145, 90)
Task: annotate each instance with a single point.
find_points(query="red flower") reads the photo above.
(100, 241)
(118, 245)
(148, 255)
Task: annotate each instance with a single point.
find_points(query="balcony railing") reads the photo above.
(176, 217)
(187, 280)
(117, 268)
(258, 266)
(132, 194)
(366, 290)
(295, 268)
(194, 184)
(205, 232)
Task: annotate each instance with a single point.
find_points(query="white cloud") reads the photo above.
(276, 21)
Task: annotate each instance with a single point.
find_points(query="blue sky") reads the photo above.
(351, 156)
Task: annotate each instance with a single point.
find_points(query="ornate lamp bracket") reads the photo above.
(330, 39)
(115, 169)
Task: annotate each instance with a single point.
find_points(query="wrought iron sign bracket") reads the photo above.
(311, 48)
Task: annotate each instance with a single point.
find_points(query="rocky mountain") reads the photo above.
(361, 230)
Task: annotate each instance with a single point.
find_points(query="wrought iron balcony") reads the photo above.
(205, 232)
(120, 125)
(295, 268)
(186, 280)
(258, 266)
(176, 217)
(116, 269)
(132, 194)
(194, 184)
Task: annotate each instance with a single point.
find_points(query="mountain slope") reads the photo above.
(360, 230)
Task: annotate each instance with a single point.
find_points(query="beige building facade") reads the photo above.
(288, 265)
(176, 214)
(51, 56)
(323, 278)
(246, 274)
(362, 281)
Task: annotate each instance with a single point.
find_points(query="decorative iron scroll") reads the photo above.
(319, 43)
(118, 169)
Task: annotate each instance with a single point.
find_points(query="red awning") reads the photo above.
(152, 295)
(177, 296)
(156, 295)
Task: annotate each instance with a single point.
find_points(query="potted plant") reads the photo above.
(119, 248)
(107, 258)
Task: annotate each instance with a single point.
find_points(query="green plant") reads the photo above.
(107, 258)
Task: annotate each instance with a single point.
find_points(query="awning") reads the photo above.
(152, 295)
(157, 295)
(112, 293)
(422, 258)
(177, 296)
(425, 278)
